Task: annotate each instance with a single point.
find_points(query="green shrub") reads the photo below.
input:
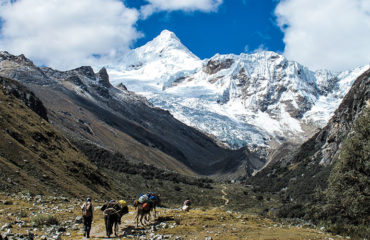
(348, 193)
(44, 220)
(291, 211)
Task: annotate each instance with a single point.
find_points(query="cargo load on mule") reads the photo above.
(113, 212)
(145, 204)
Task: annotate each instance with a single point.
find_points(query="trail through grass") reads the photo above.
(224, 194)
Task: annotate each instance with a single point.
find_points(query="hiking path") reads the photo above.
(224, 194)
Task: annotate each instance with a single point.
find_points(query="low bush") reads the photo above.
(291, 211)
(44, 220)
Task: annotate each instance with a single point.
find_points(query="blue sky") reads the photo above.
(64, 34)
(237, 26)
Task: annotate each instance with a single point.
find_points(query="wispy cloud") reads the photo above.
(67, 33)
(260, 48)
(333, 34)
(182, 5)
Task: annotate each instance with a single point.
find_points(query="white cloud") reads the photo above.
(67, 33)
(183, 5)
(333, 34)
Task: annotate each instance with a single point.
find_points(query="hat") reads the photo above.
(123, 203)
(88, 199)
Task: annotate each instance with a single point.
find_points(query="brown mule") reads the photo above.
(143, 211)
(112, 216)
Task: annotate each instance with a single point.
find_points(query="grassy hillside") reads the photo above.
(35, 157)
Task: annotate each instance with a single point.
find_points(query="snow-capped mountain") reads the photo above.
(156, 64)
(253, 99)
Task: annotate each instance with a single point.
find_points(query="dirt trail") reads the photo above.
(98, 226)
(224, 194)
(97, 230)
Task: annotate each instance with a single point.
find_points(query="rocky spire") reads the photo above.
(104, 77)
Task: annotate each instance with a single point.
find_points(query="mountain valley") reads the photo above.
(251, 135)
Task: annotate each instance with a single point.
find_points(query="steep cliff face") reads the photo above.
(299, 172)
(84, 105)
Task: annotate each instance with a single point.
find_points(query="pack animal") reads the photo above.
(143, 212)
(113, 211)
(156, 201)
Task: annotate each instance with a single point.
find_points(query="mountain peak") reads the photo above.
(166, 40)
(4, 55)
(167, 35)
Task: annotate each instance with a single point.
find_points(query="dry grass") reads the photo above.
(195, 224)
(220, 224)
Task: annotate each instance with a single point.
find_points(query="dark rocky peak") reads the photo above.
(86, 71)
(214, 66)
(122, 87)
(21, 59)
(12, 87)
(22, 69)
(104, 77)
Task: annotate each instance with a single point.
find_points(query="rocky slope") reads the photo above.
(84, 105)
(259, 100)
(36, 158)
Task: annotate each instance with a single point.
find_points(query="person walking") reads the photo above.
(88, 215)
(186, 205)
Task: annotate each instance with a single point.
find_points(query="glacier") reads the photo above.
(253, 100)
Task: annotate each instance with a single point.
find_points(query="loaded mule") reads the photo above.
(113, 211)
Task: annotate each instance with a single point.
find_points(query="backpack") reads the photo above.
(146, 206)
(143, 199)
(187, 203)
(87, 210)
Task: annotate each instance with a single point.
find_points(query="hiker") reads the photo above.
(87, 214)
(186, 206)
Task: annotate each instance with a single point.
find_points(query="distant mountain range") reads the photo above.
(86, 107)
(256, 100)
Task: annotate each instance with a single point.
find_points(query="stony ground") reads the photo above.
(25, 217)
